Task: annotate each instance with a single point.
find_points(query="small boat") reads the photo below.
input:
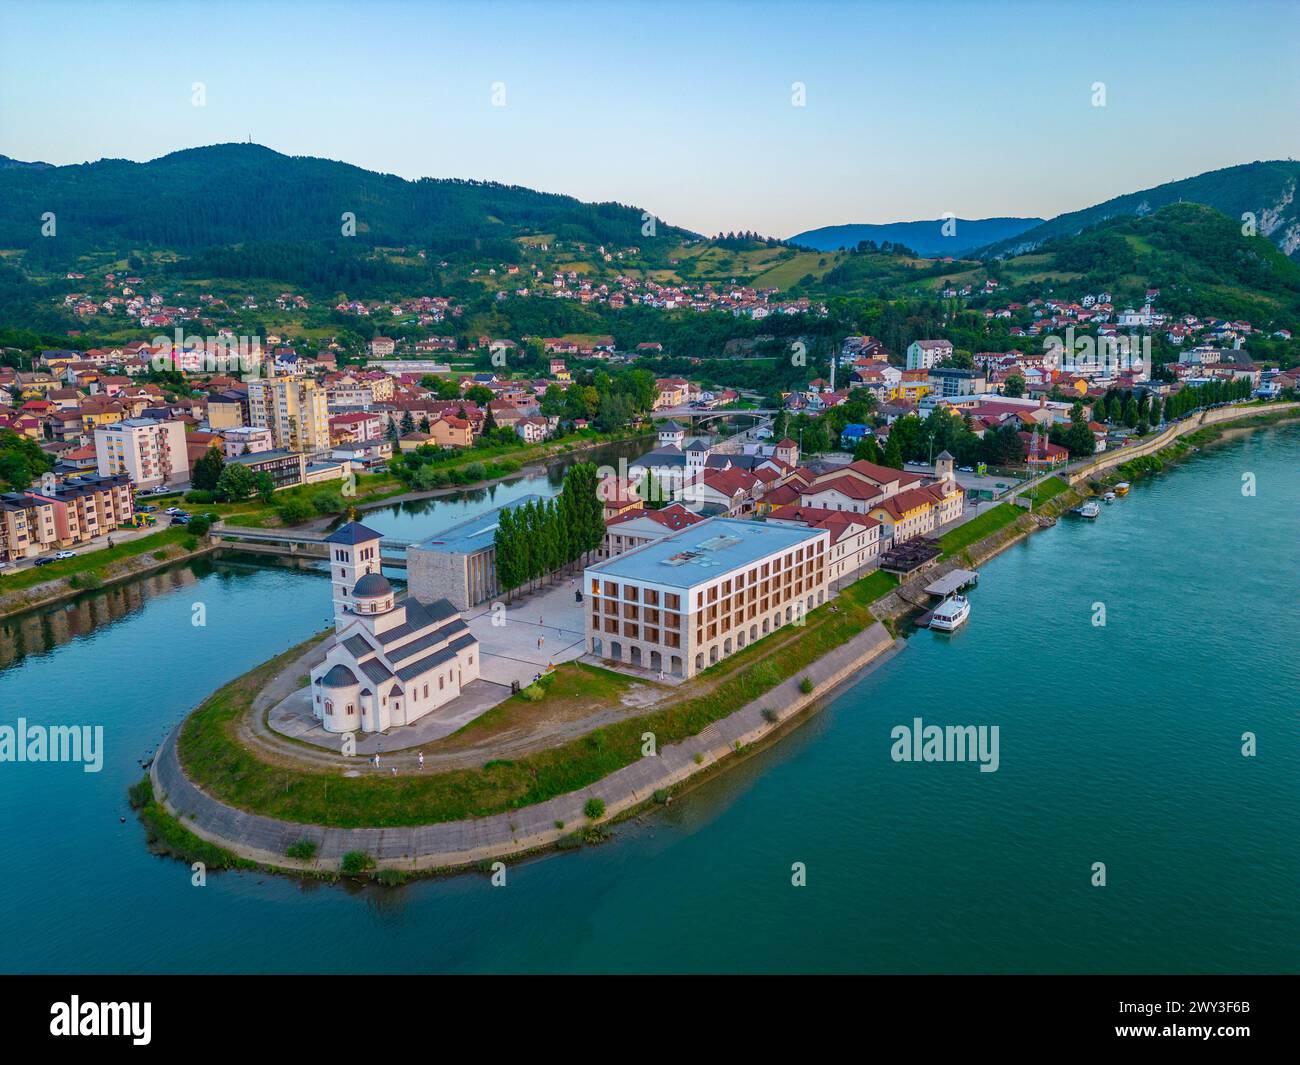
(1089, 510)
(1122, 488)
(1109, 497)
(950, 614)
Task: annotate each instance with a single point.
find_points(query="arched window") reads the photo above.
(329, 706)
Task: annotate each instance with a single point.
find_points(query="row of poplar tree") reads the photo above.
(537, 538)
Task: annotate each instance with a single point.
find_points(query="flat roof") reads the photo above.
(473, 534)
(951, 582)
(705, 551)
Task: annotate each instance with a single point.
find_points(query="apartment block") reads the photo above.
(147, 451)
(294, 409)
(686, 601)
(34, 522)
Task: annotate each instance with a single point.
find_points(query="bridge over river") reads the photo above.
(392, 550)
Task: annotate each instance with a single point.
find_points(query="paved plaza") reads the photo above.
(508, 632)
(509, 650)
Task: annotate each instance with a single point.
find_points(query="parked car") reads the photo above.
(145, 508)
(180, 519)
(45, 561)
(61, 555)
(966, 469)
(174, 510)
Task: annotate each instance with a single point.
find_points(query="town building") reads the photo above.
(34, 522)
(461, 562)
(923, 354)
(246, 440)
(294, 409)
(946, 381)
(389, 662)
(148, 451)
(685, 601)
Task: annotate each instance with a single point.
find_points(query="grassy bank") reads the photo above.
(993, 519)
(166, 835)
(215, 760)
(91, 568)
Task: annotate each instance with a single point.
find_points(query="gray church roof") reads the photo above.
(352, 533)
(339, 677)
(372, 586)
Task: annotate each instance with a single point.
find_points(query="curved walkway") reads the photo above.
(459, 843)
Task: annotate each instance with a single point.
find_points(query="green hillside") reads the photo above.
(233, 193)
(1197, 257)
(1266, 190)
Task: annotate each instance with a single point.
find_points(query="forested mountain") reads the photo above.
(231, 193)
(925, 238)
(1266, 191)
(1197, 257)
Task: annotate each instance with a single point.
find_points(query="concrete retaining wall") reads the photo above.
(459, 843)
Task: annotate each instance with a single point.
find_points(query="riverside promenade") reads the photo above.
(459, 843)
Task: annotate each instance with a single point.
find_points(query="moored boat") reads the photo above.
(950, 614)
(1089, 510)
(1109, 497)
(1122, 488)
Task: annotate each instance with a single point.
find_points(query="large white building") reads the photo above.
(389, 663)
(149, 452)
(685, 601)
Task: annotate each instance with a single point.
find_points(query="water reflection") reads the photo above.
(417, 518)
(44, 629)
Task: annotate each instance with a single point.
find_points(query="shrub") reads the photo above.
(661, 796)
(200, 495)
(304, 850)
(699, 758)
(190, 543)
(770, 715)
(533, 693)
(559, 824)
(595, 808)
(327, 502)
(356, 862)
(390, 877)
(806, 685)
(475, 471)
(199, 526)
(160, 555)
(85, 580)
(294, 511)
(140, 793)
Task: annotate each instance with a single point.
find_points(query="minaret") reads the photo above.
(354, 552)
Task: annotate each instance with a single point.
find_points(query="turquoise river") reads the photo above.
(1119, 743)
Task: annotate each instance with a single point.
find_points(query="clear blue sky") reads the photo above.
(979, 108)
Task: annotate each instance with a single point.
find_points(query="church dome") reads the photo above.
(372, 586)
(338, 677)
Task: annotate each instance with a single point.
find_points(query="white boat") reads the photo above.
(1090, 510)
(1109, 497)
(951, 613)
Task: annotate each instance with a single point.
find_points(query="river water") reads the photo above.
(1119, 743)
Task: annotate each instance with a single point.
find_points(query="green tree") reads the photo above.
(893, 457)
(207, 469)
(264, 486)
(1014, 386)
(236, 483)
